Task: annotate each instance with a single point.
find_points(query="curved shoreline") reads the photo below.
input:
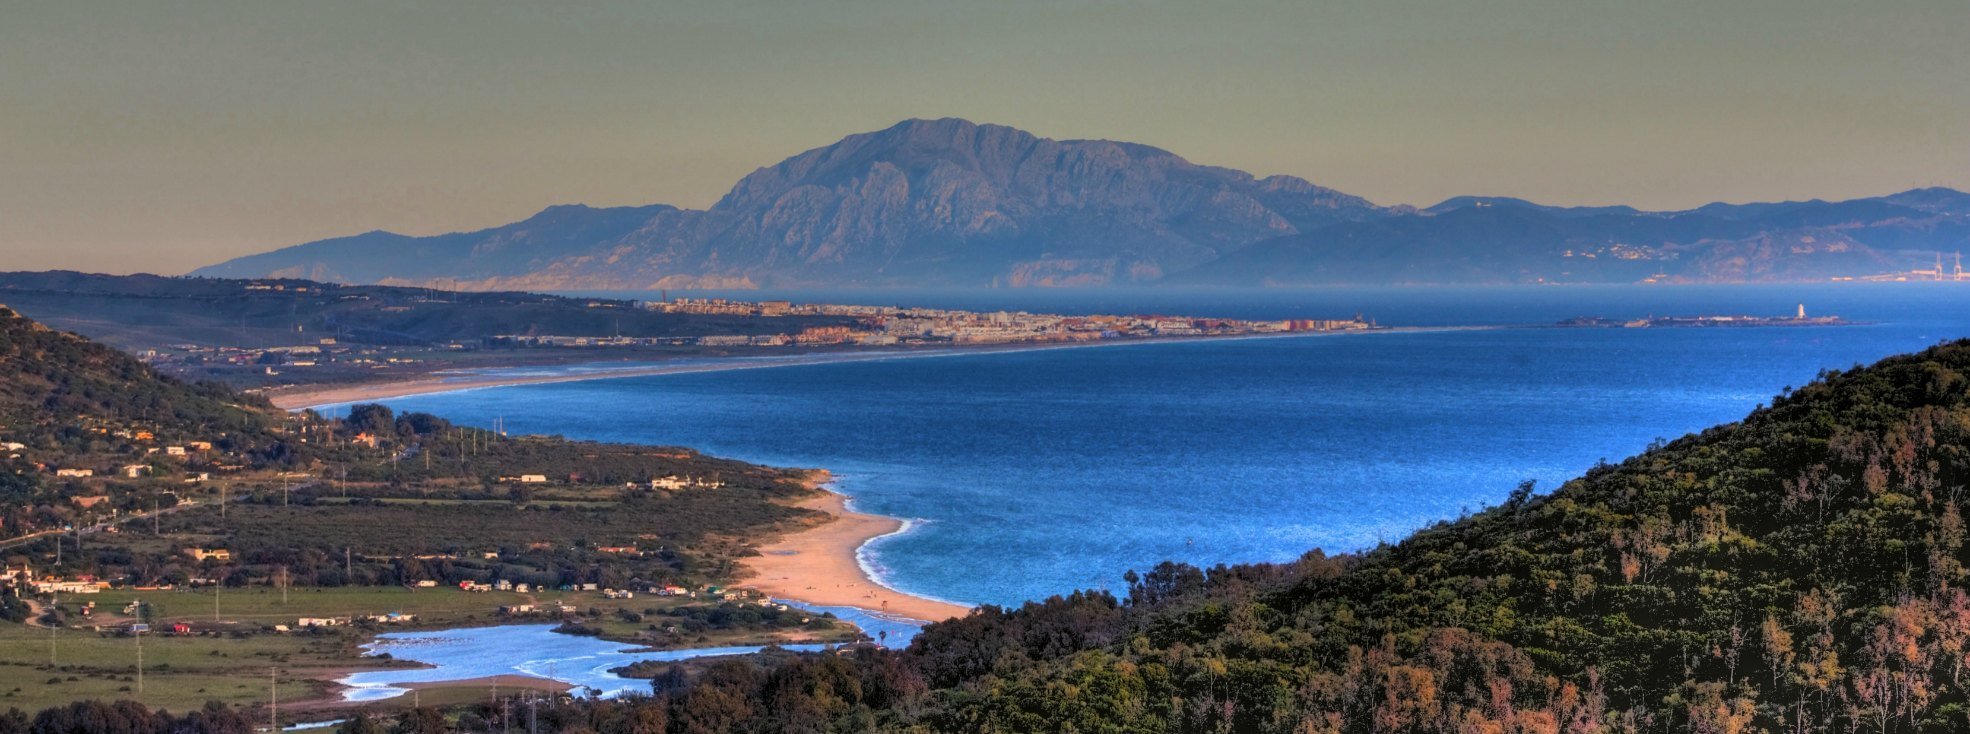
(822, 564)
(320, 396)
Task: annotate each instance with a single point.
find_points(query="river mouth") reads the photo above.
(532, 651)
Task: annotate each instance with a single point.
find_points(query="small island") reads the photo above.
(1798, 319)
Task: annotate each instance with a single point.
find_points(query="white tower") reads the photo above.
(1802, 312)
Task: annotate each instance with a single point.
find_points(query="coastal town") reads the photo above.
(884, 326)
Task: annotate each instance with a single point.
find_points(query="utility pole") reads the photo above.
(273, 699)
(140, 658)
(54, 611)
(348, 566)
(154, 518)
(283, 585)
(215, 600)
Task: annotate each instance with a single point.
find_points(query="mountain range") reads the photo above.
(952, 203)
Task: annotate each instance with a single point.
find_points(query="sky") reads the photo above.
(159, 137)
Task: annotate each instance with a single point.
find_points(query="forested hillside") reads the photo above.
(60, 381)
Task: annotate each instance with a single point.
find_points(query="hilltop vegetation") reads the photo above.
(55, 380)
(153, 312)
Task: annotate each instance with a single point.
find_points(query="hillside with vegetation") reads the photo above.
(155, 312)
(56, 379)
(129, 497)
(101, 437)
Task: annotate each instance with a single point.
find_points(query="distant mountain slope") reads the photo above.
(1490, 240)
(925, 201)
(540, 243)
(950, 202)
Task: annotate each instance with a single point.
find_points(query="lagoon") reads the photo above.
(532, 650)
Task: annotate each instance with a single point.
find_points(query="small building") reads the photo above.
(88, 501)
(321, 622)
(75, 473)
(427, 584)
(174, 451)
(68, 586)
(134, 471)
(199, 445)
(511, 609)
(209, 554)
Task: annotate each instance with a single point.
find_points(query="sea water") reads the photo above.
(1032, 473)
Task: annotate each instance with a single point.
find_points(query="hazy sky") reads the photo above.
(161, 136)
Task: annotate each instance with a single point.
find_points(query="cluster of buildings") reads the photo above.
(142, 444)
(674, 482)
(273, 359)
(890, 325)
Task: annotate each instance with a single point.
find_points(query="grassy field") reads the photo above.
(179, 672)
(265, 605)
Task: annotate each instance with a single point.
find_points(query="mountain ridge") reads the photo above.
(949, 202)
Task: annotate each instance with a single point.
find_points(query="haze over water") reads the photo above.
(1035, 473)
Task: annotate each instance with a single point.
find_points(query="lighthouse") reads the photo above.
(1802, 312)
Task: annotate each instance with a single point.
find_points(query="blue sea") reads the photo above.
(1032, 473)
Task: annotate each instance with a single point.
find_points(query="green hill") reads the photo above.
(55, 383)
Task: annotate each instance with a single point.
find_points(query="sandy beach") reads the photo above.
(310, 396)
(817, 565)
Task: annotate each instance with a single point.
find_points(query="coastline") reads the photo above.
(304, 397)
(820, 564)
